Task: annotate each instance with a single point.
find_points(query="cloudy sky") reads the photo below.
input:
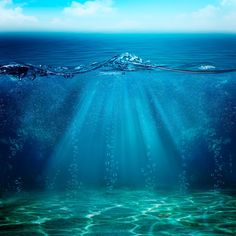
(118, 15)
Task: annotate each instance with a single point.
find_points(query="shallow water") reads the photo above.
(120, 212)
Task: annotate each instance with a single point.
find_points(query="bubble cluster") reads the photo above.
(149, 172)
(111, 164)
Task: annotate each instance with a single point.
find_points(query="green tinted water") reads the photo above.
(120, 212)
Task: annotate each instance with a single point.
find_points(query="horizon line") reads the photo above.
(117, 32)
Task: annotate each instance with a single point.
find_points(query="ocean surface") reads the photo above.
(117, 134)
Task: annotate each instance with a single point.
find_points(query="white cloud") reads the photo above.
(95, 15)
(12, 17)
(228, 2)
(218, 17)
(92, 15)
(89, 8)
(102, 15)
(208, 11)
(5, 2)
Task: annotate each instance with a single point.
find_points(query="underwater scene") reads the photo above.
(117, 134)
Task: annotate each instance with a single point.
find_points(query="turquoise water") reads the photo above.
(120, 212)
(117, 134)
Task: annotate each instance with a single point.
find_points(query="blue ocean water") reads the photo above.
(91, 124)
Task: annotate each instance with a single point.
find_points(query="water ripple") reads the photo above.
(124, 62)
(121, 212)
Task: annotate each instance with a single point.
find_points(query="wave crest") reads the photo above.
(124, 62)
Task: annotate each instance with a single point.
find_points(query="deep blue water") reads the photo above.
(145, 112)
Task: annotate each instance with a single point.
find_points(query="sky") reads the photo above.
(118, 15)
